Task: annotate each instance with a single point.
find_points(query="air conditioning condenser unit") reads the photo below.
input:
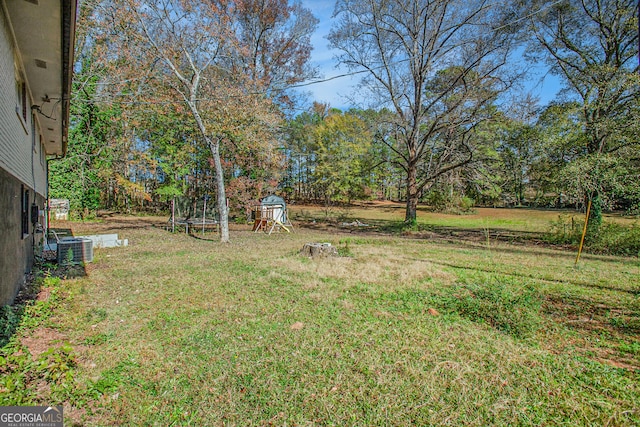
(75, 250)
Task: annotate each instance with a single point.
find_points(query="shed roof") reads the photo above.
(272, 200)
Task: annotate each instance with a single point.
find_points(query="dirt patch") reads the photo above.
(41, 340)
(593, 321)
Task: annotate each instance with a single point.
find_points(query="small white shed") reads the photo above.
(271, 214)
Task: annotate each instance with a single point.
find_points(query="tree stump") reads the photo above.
(319, 250)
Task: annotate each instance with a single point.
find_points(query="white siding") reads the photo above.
(17, 155)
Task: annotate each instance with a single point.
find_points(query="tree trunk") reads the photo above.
(412, 196)
(173, 214)
(214, 147)
(319, 250)
(595, 215)
(221, 195)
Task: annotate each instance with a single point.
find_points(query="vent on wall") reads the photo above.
(75, 250)
(36, 2)
(40, 63)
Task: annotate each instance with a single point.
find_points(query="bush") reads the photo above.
(450, 203)
(565, 231)
(611, 238)
(617, 239)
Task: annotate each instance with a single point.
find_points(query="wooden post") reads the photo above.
(173, 214)
(204, 213)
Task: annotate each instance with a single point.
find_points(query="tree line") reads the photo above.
(185, 98)
(524, 157)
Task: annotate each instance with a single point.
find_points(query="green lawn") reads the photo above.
(178, 330)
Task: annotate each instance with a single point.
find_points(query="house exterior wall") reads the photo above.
(16, 249)
(20, 146)
(22, 171)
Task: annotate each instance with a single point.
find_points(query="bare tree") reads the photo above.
(275, 38)
(593, 46)
(438, 65)
(190, 39)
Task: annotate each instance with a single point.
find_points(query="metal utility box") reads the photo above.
(75, 250)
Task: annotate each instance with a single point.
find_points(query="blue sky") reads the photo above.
(335, 91)
(322, 57)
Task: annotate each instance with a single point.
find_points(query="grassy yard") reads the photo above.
(182, 330)
(380, 212)
(516, 219)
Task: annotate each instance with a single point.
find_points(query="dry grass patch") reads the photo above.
(370, 264)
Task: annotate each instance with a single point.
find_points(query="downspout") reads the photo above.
(68, 10)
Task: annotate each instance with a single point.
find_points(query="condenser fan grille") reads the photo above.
(75, 250)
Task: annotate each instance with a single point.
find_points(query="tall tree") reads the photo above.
(436, 64)
(186, 41)
(342, 141)
(299, 151)
(561, 138)
(592, 45)
(197, 55)
(87, 176)
(275, 43)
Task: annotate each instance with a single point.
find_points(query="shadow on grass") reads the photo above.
(421, 230)
(464, 236)
(134, 223)
(214, 238)
(634, 292)
(34, 291)
(115, 222)
(544, 250)
(584, 314)
(603, 332)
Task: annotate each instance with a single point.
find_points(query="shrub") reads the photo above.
(450, 203)
(9, 322)
(617, 239)
(565, 231)
(611, 238)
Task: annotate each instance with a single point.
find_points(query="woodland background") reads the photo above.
(173, 98)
